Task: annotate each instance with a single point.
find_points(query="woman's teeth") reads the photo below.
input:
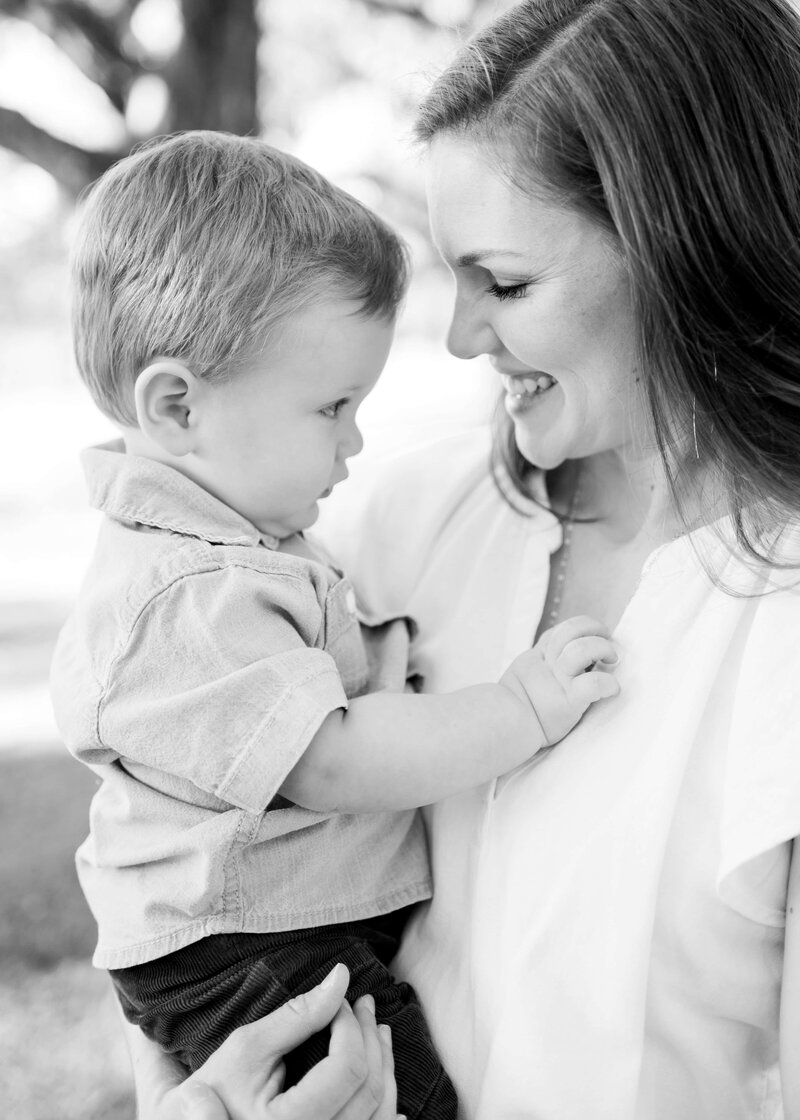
(521, 387)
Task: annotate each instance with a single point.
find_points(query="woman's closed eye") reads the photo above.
(508, 291)
(332, 410)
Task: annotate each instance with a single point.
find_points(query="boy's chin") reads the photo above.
(295, 524)
(312, 516)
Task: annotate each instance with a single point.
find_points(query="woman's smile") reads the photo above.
(525, 391)
(564, 344)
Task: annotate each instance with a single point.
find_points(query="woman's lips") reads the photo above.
(525, 391)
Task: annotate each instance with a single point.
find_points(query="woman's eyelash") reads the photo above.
(511, 291)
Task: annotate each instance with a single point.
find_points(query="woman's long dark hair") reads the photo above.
(675, 125)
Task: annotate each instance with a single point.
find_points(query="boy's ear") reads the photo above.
(166, 395)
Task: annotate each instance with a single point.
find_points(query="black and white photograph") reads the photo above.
(400, 559)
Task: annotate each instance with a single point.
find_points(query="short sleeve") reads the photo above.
(221, 683)
(761, 806)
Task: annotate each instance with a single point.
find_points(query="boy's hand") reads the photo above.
(567, 670)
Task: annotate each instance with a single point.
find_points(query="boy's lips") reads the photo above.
(329, 491)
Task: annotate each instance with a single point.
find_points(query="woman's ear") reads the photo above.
(166, 396)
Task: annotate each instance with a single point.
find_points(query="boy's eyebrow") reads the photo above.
(347, 391)
(466, 260)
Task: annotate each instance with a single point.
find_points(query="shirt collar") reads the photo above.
(141, 491)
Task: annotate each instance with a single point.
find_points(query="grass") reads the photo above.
(63, 1053)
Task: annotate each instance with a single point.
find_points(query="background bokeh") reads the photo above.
(81, 81)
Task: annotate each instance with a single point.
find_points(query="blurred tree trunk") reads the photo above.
(211, 80)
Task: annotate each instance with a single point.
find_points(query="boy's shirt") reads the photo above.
(196, 668)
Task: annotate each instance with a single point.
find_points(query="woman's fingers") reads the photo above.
(251, 1050)
(373, 1050)
(247, 1070)
(332, 1084)
(388, 1107)
(200, 1102)
(367, 1102)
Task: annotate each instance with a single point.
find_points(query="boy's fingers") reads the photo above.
(581, 653)
(588, 688)
(582, 626)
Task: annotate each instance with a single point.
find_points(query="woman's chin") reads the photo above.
(539, 453)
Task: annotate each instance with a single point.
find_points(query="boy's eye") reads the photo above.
(333, 410)
(510, 291)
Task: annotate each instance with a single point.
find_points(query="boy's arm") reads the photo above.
(388, 751)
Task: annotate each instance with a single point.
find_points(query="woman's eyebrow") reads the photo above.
(466, 260)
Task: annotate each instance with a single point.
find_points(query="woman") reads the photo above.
(614, 186)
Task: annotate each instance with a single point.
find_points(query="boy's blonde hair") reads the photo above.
(199, 245)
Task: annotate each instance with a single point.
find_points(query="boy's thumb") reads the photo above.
(306, 1014)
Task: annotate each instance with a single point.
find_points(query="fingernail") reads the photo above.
(385, 1032)
(613, 660)
(370, 1003)
(331, 978)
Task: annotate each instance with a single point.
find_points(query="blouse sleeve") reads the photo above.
(761, 807)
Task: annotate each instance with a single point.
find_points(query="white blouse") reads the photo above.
(606, 935)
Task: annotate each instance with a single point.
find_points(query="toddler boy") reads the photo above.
(255, 820)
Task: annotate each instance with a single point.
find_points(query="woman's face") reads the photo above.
(541, 291)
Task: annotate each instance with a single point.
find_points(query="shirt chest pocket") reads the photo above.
(343, 637)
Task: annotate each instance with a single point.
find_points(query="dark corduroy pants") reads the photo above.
(191, 1000)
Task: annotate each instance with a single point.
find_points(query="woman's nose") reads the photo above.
(470, 333)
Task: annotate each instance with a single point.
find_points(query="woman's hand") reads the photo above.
(243, 1079)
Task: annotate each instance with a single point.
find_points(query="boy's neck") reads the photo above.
(297, 545)
(137, 443)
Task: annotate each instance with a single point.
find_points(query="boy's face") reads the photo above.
(276, 437)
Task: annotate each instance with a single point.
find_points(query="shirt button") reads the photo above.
(350, 600)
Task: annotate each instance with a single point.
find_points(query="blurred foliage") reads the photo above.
(242, 66)
(335, 81)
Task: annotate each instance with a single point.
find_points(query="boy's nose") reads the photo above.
(352, 443)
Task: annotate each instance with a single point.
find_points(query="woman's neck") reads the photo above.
(633, 498)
